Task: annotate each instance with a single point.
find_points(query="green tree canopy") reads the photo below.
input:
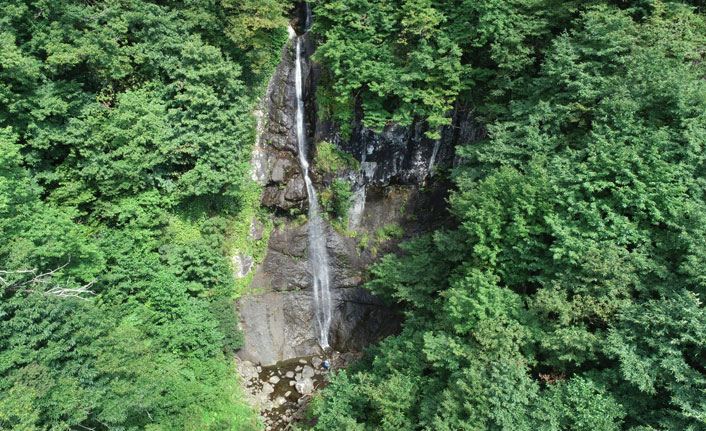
(568, 296)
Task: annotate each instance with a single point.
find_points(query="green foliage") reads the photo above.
(255, 26)
(660, 348)
(78, 363)
(578, 405)
(393, 56)
(406, 59)
(337, 199)
(224, 311)
(385, 233)
(125, 132)
(363, 241)
(331, 160)
(567, 298)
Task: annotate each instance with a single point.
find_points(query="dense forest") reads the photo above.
(125, 134)
(566, 297)
(569, 295)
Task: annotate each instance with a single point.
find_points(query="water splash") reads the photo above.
(318, 255)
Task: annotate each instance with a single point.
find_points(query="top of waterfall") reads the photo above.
(299, 27)
(308, 18)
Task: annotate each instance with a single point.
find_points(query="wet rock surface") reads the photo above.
(280, 392)
(280, 325)
(278, 318)
(396, 189)
(274, 162)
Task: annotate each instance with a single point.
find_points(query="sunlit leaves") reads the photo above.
(568, 296)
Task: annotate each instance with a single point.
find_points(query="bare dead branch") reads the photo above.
(62, 292)
(103, 423)
(42, 279)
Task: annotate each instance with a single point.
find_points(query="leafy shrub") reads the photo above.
(332, 160)
(388, 232)
(337, 199)
(224, 310)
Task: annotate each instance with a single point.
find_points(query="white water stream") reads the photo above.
(318, 255)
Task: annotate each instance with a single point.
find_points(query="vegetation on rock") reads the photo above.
(336, 200)
(331, 160)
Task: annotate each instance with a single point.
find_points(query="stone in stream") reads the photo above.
(299, 368)
(308, 372)
(302, 361)
(305, 386)
(267, 389)
(316, 361)
(290, 374)
(274, 380)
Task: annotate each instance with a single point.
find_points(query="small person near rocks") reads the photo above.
(327, 365)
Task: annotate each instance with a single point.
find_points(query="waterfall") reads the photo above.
(318, 255)
(433, 154)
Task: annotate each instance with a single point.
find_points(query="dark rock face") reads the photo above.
(279, 321)
(280, 125)
(285, 265)
(278, 326)
(398, 155)
(275, 163)
(394, 164)
(361, 319)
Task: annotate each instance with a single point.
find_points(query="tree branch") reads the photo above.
(32, 284)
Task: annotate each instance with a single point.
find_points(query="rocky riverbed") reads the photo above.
(281, 392)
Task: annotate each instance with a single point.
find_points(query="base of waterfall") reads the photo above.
(276, 314)
(281, 392)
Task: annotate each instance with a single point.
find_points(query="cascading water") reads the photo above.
(433, 154)
(318, 255)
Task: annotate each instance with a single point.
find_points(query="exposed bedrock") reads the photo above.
(395, 164)
(277, 318)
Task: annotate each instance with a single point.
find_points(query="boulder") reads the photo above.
(305, 386)
(316, 362)
(295, 190)
(307, 372)
(267, 388)
(247, 370)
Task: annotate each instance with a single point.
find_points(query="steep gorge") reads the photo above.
(394, 189)
(398, 182)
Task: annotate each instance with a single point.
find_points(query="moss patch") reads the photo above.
(330, 159)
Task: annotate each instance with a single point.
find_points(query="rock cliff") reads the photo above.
(395, 195)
